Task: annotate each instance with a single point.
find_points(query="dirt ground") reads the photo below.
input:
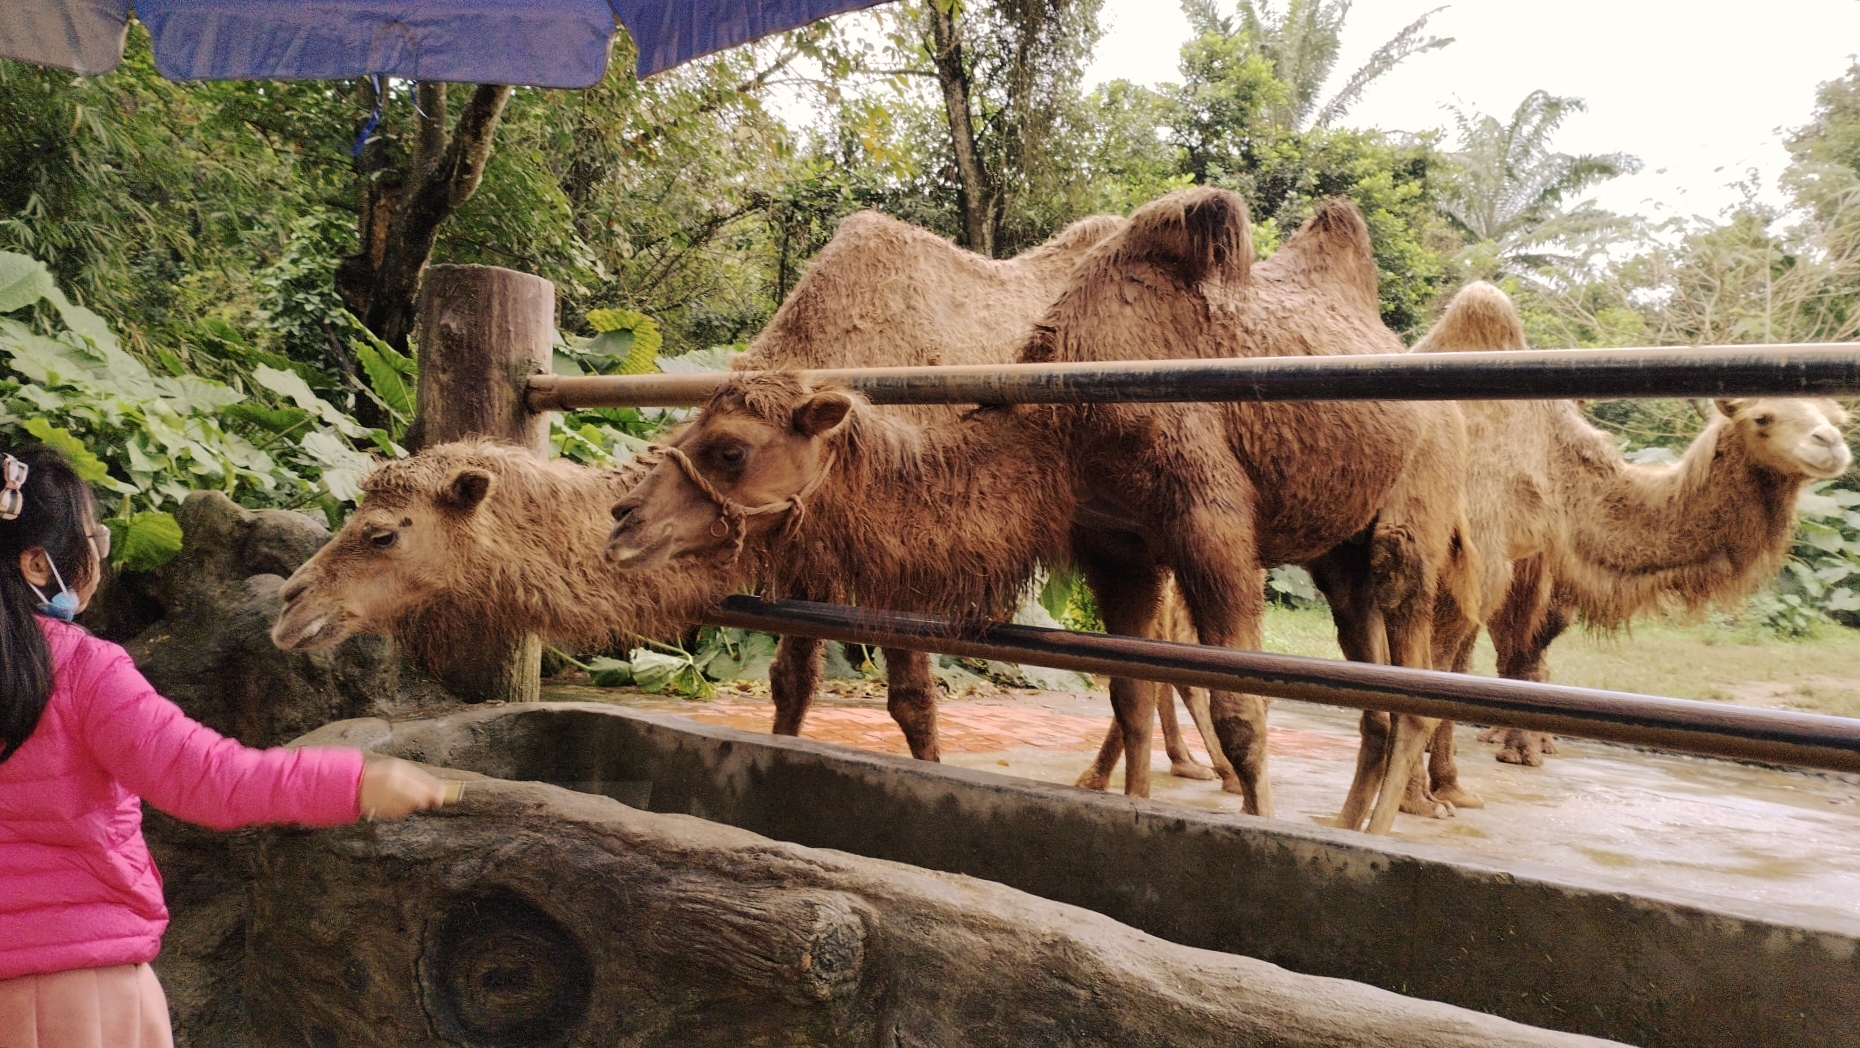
(1661, 821)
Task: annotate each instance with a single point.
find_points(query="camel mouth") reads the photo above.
(1828, 464)
(300, 630)
(634, 546)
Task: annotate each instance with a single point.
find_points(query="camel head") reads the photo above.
(408, 543)
(1794, 437)
(742, 469)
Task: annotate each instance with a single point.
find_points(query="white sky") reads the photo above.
(1700, 91)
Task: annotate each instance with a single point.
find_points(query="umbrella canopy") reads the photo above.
(541, 43)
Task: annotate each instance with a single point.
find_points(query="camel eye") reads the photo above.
(1764, 420)
(732, 455)
(384, 539)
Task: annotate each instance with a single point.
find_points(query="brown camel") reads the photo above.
(886, 293)
(480, 539)
(959, 516)
(1566, 525)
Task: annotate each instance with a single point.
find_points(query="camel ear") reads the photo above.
(1205, 233)
(465, 490)
(1729, 406)
(821, 413)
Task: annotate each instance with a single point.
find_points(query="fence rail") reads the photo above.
(1714, 729)
(1796, 370)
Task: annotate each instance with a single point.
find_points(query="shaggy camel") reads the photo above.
(1565, 524)
(883, 293)
(480, 539)
(1210, 492)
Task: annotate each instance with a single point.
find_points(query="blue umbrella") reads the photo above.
(541, 43)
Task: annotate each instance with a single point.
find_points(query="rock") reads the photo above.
(535, 916)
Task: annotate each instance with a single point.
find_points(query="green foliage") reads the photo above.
(143, 440)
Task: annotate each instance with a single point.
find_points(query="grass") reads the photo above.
(1712, 660)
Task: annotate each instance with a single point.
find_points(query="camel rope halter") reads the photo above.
(734, 516)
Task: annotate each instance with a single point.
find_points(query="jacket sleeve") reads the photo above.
(191, 771)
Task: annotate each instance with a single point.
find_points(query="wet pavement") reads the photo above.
(1662, 822)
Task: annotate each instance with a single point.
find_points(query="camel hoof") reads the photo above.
(1460, 798)
(1546, 742)
(1491, 735)
(1519, 754)
(1191, 770)
(1233, 786)
(1088, 781)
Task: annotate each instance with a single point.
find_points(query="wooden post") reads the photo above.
(483, 331)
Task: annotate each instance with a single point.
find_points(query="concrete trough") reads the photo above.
(1543, 946)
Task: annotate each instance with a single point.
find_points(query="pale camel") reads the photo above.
(1566, 525)
(480, 542)
(959, 517)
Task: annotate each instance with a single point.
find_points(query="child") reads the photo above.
(83, 738)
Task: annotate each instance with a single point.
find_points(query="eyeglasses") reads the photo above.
(100, 537)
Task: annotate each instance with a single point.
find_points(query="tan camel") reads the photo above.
(1566, 525)
(958, 517)
(480, 539)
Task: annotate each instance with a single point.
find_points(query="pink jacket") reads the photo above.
(78, 888)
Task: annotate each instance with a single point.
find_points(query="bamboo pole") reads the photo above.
(1714, 729)
(1796, 370)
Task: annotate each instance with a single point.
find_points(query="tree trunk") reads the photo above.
(431, 196)
(953, 74)
(483, 332)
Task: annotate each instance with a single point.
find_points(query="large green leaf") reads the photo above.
(23, 281)
(733, 654)
(144, 541)
(390, 375)
(88, 465)
(609, 673)
(292, 385)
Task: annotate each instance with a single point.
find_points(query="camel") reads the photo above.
(886, 293)
(480, 539)
(1566, 526)
(959, 516)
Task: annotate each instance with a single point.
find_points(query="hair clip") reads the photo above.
(13, 500)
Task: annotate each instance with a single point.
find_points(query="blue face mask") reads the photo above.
(63, 607)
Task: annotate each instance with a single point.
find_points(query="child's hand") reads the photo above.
(394, 789)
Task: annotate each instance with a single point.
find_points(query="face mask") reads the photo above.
(63, 607)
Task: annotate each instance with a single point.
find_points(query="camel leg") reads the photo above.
(1128, 598)
(910, 695)
(1098, 776)
(1342, 575)
(1405, 572)
(1182, 764)
(1454, 634)
(793, 677)
(1226, 594)
(1522, 631)
(1196, 699)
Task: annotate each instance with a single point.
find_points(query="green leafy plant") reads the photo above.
(145, 440)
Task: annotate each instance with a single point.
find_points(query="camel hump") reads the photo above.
(1330, 249)
(1480, 317)
(1198, 233)
(1085, 233)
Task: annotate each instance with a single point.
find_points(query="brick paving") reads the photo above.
(1009, 722)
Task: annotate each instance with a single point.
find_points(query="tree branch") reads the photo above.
(425, 206)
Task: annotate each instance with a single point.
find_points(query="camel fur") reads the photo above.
(959, 516)
(479, 539)
(884, 293)
(1568, 527)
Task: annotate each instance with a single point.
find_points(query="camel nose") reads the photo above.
(1827, 436)
(293, 588)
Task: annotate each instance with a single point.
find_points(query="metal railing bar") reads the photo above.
(1796, 370)
(1713, 729)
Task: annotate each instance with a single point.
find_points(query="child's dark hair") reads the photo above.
(56, 505)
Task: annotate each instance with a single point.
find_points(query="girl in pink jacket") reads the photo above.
(83, 738)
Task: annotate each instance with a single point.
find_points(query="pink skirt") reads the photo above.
(119, 1007)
